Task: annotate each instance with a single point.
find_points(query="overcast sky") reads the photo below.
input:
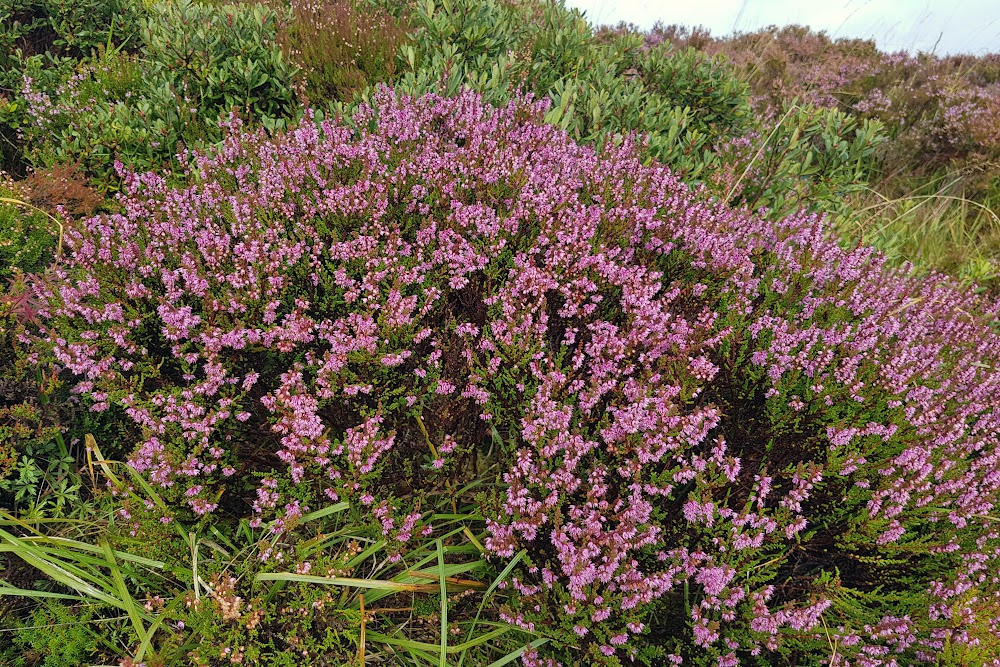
(954, 26)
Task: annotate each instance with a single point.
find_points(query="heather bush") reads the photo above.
(933, 190)
(340, 48)
(721, 440)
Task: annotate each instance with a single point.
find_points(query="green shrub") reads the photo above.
(809, 157)
(45, 40)
(684, 102)
(693, 113)
(57, 29)
(218, 59)
(197, 65)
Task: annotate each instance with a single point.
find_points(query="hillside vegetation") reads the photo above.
(465, 333)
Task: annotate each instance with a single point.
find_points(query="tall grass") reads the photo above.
(934, 227)
(381, 603)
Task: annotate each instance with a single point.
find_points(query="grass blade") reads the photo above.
(443, 582)
(412, 645)
(493, 586)
(132, 608)
(375, 584)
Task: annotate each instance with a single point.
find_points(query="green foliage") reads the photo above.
(685, 102)
(219, 59)
(56, 635)
(82, 26)
(44, 483)
(691, 109)
(196, 65)
(27, 236)
(809, 158)
(61, 29)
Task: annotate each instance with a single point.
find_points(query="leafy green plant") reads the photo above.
(219, 58)
(37, 491)
(809, 158)
(55, 635)
(62, 29)
(198, 64)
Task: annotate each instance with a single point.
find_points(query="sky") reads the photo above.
(940, 26)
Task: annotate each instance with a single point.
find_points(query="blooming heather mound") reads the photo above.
(722, 442)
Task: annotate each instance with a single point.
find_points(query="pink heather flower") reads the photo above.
(201, 506)
(714, 579)
(250, 380)
(395, 359)
(728, 660)
(445, 387)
